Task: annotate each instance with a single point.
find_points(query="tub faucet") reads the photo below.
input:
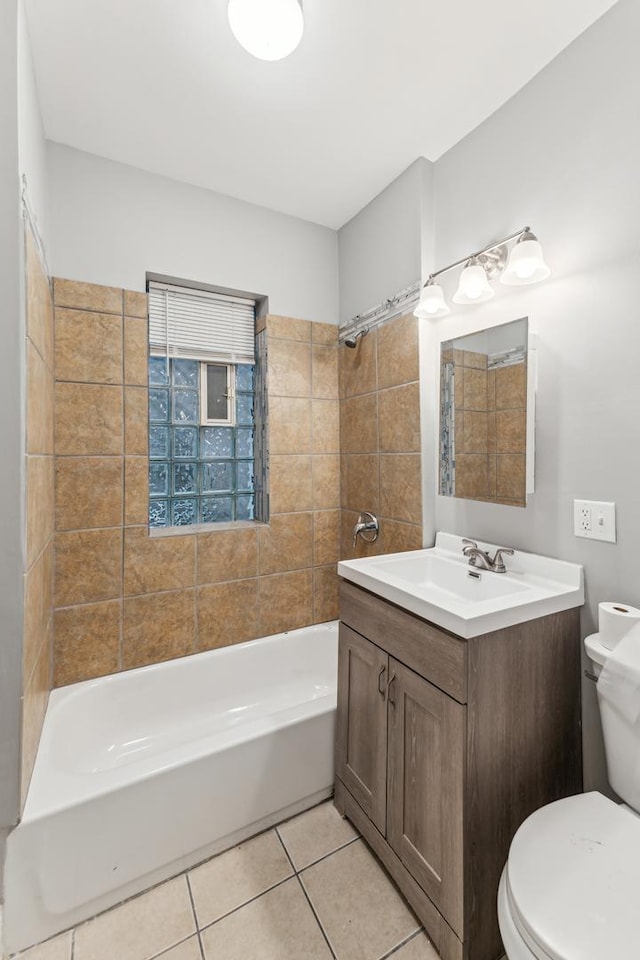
(367, 527)
(480, 558)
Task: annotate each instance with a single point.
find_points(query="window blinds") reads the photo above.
(184, 322)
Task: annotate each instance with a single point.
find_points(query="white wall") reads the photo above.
(111, 223)
(381, 248)
(31, 142)
(563, 155)
(11, 428)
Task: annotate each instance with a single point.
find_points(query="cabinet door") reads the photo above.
(425, 787)
(361, 747)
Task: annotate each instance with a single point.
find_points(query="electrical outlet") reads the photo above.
(583, 518)
(594, 520)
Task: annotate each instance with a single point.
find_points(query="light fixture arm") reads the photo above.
(478, 255)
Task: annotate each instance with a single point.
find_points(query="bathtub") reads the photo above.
(142, 774)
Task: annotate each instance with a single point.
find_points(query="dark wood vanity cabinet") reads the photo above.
(444, 746)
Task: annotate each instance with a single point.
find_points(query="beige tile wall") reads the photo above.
(124, 599)
(38, 579)
(380, 438)
(490, 429)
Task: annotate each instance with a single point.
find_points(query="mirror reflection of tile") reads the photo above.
(483, 415)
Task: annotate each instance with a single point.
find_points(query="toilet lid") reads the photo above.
(574, 880)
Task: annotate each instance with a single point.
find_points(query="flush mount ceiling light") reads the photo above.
(267, 29)
(524, 265)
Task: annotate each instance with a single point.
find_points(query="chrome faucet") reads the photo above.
(367, 524)
(480, 558)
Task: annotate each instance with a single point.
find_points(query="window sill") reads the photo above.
(204, 528)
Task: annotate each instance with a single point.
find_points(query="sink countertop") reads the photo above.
(439, 585)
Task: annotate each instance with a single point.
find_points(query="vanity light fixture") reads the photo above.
(267, 29)
(524, 265)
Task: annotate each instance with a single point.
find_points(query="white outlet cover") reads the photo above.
(602, 516)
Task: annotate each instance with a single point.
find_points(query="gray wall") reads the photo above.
(11, 428)
(111, 223)
(564, 155)
(31, 142)
(381, 247)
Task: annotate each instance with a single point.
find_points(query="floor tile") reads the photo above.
(315, 833)
(188, 950)
(420, 948)
(360, 909)
(277, 926)
(140, 928)
(58, 948)
(238, 875)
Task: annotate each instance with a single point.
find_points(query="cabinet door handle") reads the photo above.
(381, 688)
(392, 680)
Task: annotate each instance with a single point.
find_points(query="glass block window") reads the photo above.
(198, 473)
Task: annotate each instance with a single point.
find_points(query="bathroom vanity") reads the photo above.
(446, 743)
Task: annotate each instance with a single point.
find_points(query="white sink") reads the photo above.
(439, 585)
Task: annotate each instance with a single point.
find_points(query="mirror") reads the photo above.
(483, 416)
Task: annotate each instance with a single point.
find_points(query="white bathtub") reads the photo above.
(142, 774)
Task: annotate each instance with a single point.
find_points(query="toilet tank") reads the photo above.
(621, 734)
(622, 748)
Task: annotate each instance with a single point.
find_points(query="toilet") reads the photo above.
(570, 889)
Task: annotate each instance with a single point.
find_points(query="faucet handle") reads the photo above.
(498, 563)
(367, 524)
(468, 546)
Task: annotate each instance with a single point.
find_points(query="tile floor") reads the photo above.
(306, 890)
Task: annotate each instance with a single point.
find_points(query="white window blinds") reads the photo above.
(184, 322)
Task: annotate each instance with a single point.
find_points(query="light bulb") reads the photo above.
(526, 263)
(267, 29)
(474, 286)
(432, 303)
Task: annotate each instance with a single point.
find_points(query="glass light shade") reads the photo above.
(526, 265)
(474, 286)
(432, 303)
(267, 29)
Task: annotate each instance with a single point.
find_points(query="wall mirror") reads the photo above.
(486, 415)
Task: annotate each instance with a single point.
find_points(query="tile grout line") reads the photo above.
(403, 943)
(104, 313)
(307, 898)
(325, 856)
(195, 915)
(314, 600)
(178, 943)
(196, 605)
(124, 494)
(229, 913)
(121, 645)
(316, 917)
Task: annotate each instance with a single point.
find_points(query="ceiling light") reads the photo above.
(267, 29)
(526, 263)
(432, 303)
(474, 286)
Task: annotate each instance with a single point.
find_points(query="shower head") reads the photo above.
(352, 342)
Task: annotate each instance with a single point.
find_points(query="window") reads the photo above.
(201, 408)
(216, 393)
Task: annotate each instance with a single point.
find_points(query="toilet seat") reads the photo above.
(572, 880)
